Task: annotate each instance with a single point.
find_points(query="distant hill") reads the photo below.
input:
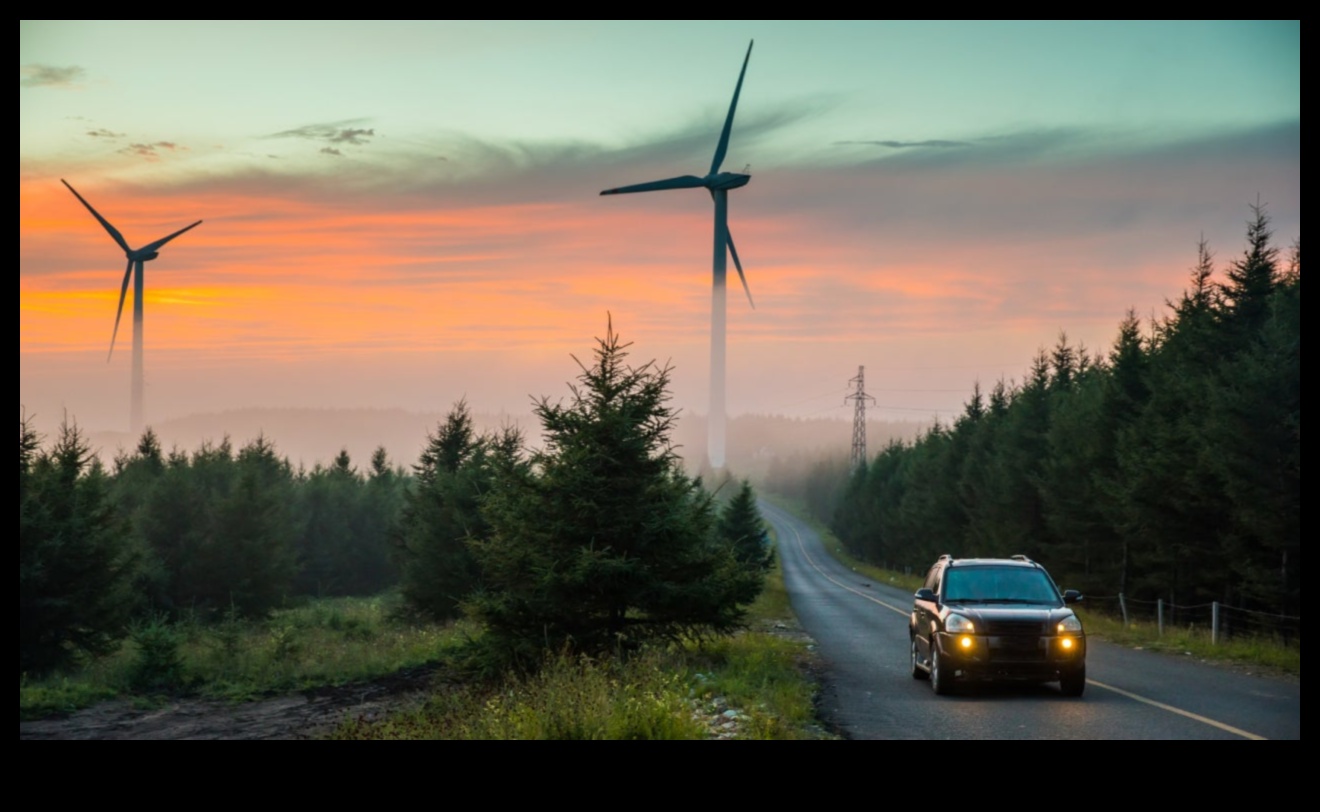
(309, 437)
(305, 436)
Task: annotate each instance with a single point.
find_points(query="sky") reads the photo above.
(398, 215)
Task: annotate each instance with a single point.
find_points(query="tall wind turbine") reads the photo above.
(136, 259)
(718, 183)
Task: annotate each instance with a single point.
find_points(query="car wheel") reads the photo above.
(1073, 682)
(940, 682)
(917, 671)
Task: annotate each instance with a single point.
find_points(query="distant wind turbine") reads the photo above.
(718, 183)
(136, 258)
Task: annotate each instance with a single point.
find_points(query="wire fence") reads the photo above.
(1219, 621)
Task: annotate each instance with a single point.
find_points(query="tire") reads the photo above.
(1073, 683)
(917, 671)
(940, 681)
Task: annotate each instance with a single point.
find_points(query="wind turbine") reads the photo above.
(718, 183)
(136, 259)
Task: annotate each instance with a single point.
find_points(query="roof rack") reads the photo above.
(1022, 558)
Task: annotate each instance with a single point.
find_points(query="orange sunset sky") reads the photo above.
(402, 215)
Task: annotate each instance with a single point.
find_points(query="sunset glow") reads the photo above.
(398, 236)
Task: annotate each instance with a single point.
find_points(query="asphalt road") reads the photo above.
(860, 627)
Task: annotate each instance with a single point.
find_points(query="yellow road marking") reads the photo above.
(1171, 709)
(1135, 697)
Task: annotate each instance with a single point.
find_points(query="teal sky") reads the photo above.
(227, 87)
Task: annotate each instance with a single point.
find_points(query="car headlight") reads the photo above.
(1070, 624)
(957, 624)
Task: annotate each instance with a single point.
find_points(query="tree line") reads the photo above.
(1169, 467)
(598, 542)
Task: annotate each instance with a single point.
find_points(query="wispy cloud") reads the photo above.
(339, 132)
(151, 151)
(1024, 146)
(331, 151)
(934, 143)
(102, 132)
(350, 135)
(37, 75)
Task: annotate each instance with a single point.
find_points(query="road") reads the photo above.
(860, 627)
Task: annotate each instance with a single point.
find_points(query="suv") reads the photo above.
(995, 619)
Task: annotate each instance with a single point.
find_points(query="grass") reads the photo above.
(327, 642)
(752, 685)
(569, 698)
(1257, 652)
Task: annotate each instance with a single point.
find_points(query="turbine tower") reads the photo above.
(136, 259)
(718, 183)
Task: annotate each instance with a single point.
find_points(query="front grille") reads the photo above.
(1033, 628)
(1016, 649)
(1016, 641)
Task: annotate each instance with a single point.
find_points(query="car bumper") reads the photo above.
(974, 656)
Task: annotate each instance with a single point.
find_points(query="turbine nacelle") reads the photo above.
(726, 180)
(136, 257)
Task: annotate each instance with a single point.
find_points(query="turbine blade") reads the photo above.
(734, 253)
(728, 122)
(158, 243)
(119, 238)
(681, 182)
(123, 291)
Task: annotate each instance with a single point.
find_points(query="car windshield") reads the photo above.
(998, 585)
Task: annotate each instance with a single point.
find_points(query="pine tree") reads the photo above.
(76, 561)
(1253, 277)
(442, 513)
(741, 528)
(604, 543)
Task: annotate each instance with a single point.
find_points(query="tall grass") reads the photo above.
(753, 685)
(569, 698)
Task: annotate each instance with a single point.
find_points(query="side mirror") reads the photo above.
(1071, 596)
(925, 594)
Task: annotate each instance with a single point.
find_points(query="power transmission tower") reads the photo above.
(859, 417)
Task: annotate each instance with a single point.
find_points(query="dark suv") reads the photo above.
(995, 619)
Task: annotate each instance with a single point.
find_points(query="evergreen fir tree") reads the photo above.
(76, 560)
(604, 543)
(442, 514)
(741, 528)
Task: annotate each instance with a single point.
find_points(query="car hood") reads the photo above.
(992, 616)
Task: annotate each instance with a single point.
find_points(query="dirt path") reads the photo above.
(295, 716)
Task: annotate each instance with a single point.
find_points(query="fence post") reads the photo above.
(1214, 623)
(1122, 608)
(1159, 615)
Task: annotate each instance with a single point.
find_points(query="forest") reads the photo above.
(1167, 468)
(596, 542)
